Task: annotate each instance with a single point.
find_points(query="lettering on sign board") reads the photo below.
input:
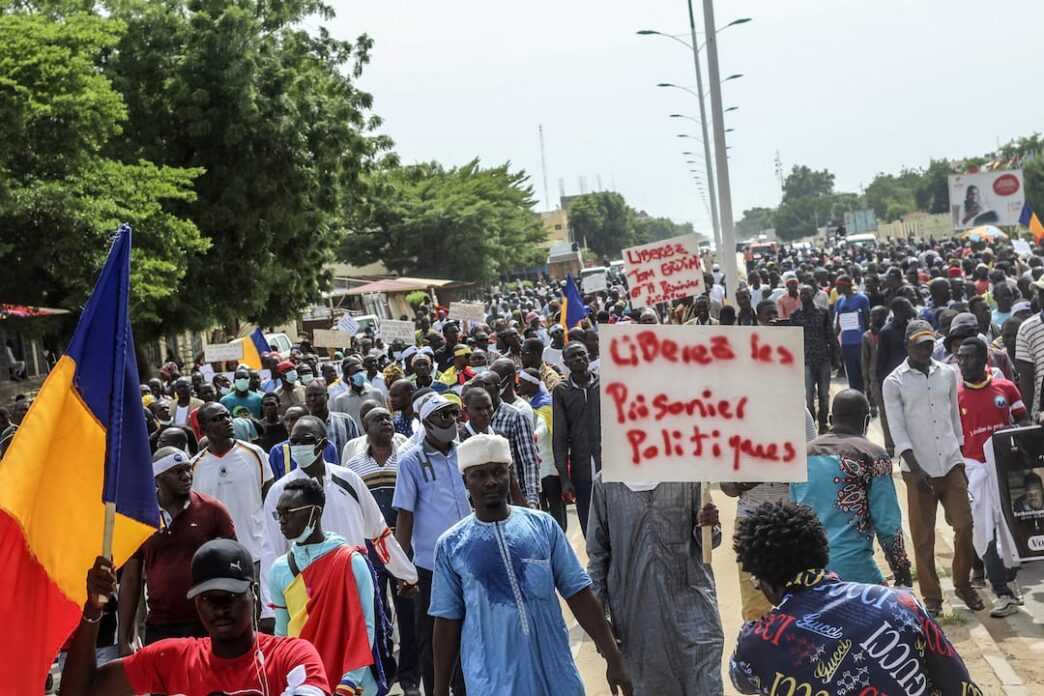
(223, 352)
(330, 338)
(702, 403)
(664, 271)
(395, 329)
(468, 311)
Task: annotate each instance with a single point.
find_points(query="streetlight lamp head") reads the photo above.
(647, 32)
(676, 116)
(734, 76)
(731, 108)
(665, 84)
(741, 20)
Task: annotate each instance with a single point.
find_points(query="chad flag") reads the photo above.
(573, 309)
(82, 444)
(254, 346)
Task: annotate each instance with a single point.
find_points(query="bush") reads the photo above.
(416, 298)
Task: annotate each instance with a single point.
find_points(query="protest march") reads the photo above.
(315, 383)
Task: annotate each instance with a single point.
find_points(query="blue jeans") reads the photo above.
(852, 357)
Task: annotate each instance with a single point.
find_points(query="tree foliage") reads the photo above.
(802, 217)
(465, 223)
(803, 182)
(655, 229)
(270, 112)
(603, 222)
(61, 196)
(755, 220)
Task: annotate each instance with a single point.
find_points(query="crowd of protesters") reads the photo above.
(425, 484)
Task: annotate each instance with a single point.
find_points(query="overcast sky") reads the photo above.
(852, 86)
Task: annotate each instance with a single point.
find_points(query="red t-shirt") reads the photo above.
(167, 558)
(992, 407)
(186, 666)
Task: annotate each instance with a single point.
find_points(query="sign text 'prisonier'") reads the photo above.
(664, 271)
(702, 403)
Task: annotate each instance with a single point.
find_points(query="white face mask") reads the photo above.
(304, 455)
(307, 378)
(308, 530)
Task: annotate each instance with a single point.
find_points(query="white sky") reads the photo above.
(853, 86)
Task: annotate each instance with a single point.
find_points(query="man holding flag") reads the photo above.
(79, 461)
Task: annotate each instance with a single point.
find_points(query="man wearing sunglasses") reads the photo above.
(351, 510)
(322, 590)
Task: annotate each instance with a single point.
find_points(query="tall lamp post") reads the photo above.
(728, 232)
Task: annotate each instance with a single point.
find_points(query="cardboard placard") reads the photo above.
(664, 271)
(330, 338)
(468, 311)
(596, 282)
(207, 370)
(395, 329)
(1017, 456)
(702, 403)
(223, 352)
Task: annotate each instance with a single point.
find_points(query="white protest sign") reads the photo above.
(468, 311)
(702, 403)
(664, 271)
(596, 282)
(397, 330)
(330, 338)
(1021, 247)
(223, 352)
(207, 370)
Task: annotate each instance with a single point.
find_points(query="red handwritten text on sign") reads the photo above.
(687, 403)
(663, 271)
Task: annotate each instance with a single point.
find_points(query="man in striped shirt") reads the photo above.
(378, 467)
(1029, 355)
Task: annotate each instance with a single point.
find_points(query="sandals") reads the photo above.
(971, 598)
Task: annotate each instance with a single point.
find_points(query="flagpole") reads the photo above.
(110, 522)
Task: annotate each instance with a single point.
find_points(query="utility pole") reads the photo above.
(543, 167)
(711, 189)
(728, 233)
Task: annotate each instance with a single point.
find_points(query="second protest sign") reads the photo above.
(663, 271)
(702, 403)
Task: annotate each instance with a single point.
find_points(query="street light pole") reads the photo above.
(715, 222)
(728, 233)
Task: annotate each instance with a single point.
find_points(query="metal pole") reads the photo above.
(728, 234)
(715, 223)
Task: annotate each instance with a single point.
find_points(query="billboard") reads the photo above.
(986, 198)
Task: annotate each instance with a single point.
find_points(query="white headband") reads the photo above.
(528, 377)
(172, 460)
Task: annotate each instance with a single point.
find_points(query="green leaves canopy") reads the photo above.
(61, 197)
(464, 223)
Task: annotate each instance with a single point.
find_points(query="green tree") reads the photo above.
(933, 191)
(604, 223)
(803, 182)
(803, 216)
(271, 113)
(754, 221)
(61, 197)
(464, 223)
(892, 196)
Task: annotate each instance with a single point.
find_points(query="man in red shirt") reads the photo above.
(233, 659)
(987, 404)
(190, 520)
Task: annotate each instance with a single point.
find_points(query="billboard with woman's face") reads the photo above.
(986, 198)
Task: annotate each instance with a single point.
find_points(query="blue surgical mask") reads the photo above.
(359, 378)
(307, 378)
(291, 376)
(308, 530)
(242, 384)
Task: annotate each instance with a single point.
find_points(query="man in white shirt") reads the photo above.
(351, 510)
(920, 397)
(235, 472)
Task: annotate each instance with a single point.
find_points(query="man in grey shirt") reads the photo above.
(359, 389)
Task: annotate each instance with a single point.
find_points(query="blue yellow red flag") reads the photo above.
(1036, 228)
(1024, 216)
(82, 444)
(573, 309)
(254, 346)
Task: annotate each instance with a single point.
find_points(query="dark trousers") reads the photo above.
(551, 499)
(425, 627)
(817, 379)
(853, 360)
(583, 503)
(404, 610)
(996, 571)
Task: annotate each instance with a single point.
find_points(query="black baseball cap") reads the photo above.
(221, 564)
